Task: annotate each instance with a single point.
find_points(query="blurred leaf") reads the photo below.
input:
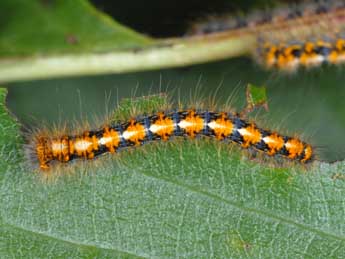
(181, 199)
(256, 97)
(50, 38)
(43, 27)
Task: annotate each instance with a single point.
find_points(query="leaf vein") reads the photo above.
(282, 219)
(71, 242)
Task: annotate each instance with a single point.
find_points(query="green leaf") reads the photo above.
(75, 39)
(64, 27)
(145, 105)
(256, 95)
(181, 199)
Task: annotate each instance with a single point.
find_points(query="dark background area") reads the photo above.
(171, 18)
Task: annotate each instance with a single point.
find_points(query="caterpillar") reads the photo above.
(305, 35)
(162, 126)
(309, 54)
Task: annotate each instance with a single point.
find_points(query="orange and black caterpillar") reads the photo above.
(308, 34)
(309, 54)
(162, 126)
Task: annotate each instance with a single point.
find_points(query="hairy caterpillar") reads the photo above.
(162, 126)
(304, 35)
(309, 54)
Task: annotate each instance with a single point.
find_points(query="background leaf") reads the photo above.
(64, 27)
(185, 199)
(76, 39)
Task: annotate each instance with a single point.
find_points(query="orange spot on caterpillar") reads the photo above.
(251, 135)
(274, 143)
(135, 132)
(340, 45)
(294, 147)
(222, 127)
(338, 55)
(162, 126)
(85, 145)
(60, 149)
(308, 153)
(192, 124)
(111, 139)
